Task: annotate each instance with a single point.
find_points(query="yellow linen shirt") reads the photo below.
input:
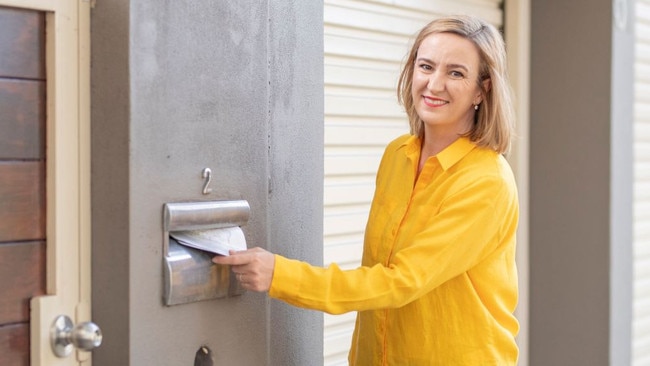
(438, 282)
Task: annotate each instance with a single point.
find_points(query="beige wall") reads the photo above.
(579, 184)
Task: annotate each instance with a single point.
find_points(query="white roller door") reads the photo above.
(365, 43)
(641, 307)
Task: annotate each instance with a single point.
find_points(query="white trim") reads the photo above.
(83, 310)
(517, 36)
(62, 182)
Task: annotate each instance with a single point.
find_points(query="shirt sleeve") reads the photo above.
(467, 228)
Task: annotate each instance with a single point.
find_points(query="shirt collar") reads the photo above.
(447, 157)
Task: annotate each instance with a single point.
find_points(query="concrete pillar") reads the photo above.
(177, 87)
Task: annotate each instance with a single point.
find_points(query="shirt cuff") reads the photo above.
(286, 278)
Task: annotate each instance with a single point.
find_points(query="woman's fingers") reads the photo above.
(253, 268)
(235, 258)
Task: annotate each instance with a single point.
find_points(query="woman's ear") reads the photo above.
(486, 84)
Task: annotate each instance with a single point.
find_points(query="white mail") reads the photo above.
(218, 241)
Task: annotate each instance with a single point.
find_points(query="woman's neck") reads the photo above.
(433, 144)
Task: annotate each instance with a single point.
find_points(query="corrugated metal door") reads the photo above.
(641, 309)
(365, 44)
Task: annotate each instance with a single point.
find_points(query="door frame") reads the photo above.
(517, 37)
(68, 235)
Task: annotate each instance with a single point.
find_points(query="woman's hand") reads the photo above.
(253, 267)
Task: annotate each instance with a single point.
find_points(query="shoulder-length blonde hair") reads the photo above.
(494, 121)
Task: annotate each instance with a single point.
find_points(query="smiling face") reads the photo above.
(445, 84)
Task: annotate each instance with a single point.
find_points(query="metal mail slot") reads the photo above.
(189, 273)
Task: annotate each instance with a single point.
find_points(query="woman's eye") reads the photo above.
(456, 74)
(426, 67)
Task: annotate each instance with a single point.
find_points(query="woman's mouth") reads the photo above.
(434, 102)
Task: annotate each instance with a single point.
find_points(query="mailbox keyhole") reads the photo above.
(203, 357)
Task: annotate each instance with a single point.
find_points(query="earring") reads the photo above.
(476, 107)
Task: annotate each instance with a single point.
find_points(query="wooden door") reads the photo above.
(22, 176)
(44, 176)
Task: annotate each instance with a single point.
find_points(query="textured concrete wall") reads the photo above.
(233, 86)
(296, 166)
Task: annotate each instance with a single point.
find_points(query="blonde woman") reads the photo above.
(438, 281)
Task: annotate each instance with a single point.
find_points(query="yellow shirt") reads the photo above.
(438, 282)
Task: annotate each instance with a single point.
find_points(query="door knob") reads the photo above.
(64, 336)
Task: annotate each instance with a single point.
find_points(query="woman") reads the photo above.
(438, 282)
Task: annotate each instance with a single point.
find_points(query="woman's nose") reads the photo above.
(436, 81)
